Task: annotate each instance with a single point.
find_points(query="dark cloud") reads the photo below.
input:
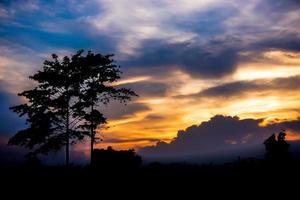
(147, 89)
(216, 52)
(242, 87)
(154, 117)
(281, 6)
(231, 89)
(218, 134)
(217, 58)
(116, 110)
(196, 60)
(289, 125)
(282, 41)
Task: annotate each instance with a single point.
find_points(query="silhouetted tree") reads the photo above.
(283, 146)
(63, 107)
(276, 148)
(110, 158)
(99, 72)
(51, 109)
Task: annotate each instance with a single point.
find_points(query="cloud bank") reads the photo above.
(220, 133)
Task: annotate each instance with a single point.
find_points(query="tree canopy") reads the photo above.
(64, 106)
(277, 147)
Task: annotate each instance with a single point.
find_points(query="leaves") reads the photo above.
(49, 108)
(99, 72)
(64, 106)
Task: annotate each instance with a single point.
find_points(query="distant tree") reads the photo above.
(99, 73)
(277, 148)
(113, 159)
(51, 108)
(283, 146)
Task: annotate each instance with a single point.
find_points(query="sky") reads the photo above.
(192, 63)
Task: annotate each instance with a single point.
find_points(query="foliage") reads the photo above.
(64, 106)
(277, 147)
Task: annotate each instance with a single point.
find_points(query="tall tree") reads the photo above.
(99, 72)
(51, 109)
(64, 106)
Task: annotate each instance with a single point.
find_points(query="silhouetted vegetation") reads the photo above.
(252, 175)
(64, 106)
(121, 172)
(112, 159)
(277, 149)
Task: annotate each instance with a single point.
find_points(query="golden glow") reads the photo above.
(255, 105)
(180, 112)
(133, 80)
(252, 71)
(180, 107)
(288, 58)
(273, 64)
(292, 136)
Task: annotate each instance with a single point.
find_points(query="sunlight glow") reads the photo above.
(273, 106)
(132, 80)
(254, 71)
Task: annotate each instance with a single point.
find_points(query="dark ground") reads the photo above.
(249, 177)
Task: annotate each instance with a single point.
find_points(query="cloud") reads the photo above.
(147, 88)
(17, 62)
(215, 59)
(131, 22)
(240, 88)
(116, 110)
(203, 38)
(193, 59)
(112, 140)
(293, 125)
(18, 5)
(3, 12)
(278, 6)
(285, 41)
(44, 26)
(219, 134)
(154, 117)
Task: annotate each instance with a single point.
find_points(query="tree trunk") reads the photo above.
(67, 139)
(92, 146)
(92, 138)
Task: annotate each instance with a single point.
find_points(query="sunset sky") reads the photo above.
(188, 60)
